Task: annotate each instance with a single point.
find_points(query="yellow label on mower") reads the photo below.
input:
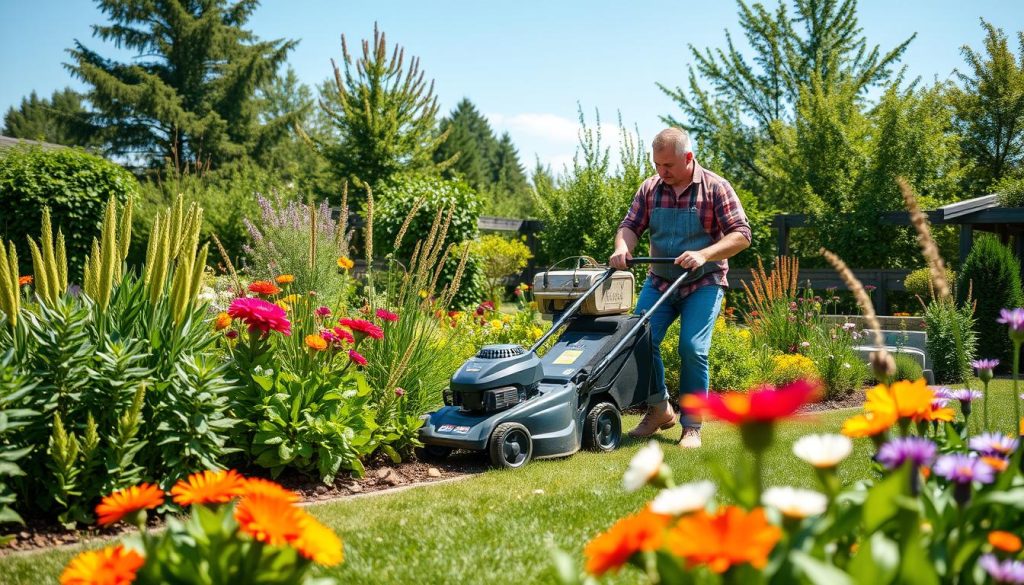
(568, 356)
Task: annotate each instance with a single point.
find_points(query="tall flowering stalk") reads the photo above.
(985, 368)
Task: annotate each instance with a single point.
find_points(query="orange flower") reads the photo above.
(223, 321)
(123, 502)
(319, 543)
(263, 487)
(1004, 541)
(997, 463)
(264, 287)
(285, 279)
(868, 424)
(345, 263)
(208, 487)
(114, 565)
(643, 531)
(269, 519)
(944, 413)
(23, 280)
(316, 343)
(728, 537)
(907, 399)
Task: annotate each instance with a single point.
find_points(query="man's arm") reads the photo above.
(625, 241)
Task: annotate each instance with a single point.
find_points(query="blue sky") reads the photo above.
(526, 65)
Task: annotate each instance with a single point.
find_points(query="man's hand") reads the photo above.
(691, 260)
(618, 259)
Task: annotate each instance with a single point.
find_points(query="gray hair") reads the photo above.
(673, 137)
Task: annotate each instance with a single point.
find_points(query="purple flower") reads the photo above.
(963, 469)
(942, 392)
(1007, 571)
(993, 444)
(938, 403)
(917, 450)
(985, 364)
(323, 312)
(1015, 319)
(965, 394)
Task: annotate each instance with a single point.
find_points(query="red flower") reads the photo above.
(362, 328)
(24, 280)
(387, 315)
(343, 335)
(260, 315)
(764, 404)
(264, 287)
(356, 357)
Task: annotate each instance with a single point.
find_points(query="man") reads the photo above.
(694, 216)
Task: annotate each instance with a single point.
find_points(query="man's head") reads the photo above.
(672, 156)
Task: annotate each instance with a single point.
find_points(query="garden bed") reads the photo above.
(381, 475)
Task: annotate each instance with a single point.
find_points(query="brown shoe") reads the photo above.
(657, 418)
(690, 438)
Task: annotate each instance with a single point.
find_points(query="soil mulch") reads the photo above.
(381, 475)
(849, 400)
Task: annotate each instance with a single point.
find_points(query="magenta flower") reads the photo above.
(1002, 572)
(918, 451)
(356, 357)
(260, 315)
(993, 444)
(399, 392)
(386, 315)
(323, 312)
(963, 469)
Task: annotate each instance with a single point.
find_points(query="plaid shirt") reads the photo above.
(720, 213)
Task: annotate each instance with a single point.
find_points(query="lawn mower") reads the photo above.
(516, 406)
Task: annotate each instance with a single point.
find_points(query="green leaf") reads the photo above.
(883, 499)
(817, 571)
(877, 560)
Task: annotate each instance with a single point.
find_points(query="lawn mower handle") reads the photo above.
(649, 260)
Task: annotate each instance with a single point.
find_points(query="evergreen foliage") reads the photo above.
(61, 119)
(992, 272)
(190, 96)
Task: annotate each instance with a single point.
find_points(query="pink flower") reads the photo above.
(362, 328)
(260, 315)
(343, 335)
(323, 312)
(356, 357)
(399, 392)
(387, 315)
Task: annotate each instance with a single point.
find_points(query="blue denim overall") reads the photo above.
(674, 231)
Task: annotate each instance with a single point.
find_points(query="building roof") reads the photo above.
(8, 142)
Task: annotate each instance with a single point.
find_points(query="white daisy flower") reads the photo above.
(643, 467)
(795, 502)
(683, 499)
(823, 451)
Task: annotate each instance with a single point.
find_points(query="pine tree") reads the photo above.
(384, 115)
(471, 142)
(990, 109)
(62, 119)
(190, 96)
(510, 187)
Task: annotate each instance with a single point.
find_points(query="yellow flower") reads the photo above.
(345, 263)
(423, 294)
(536, 332)
(283, 305)
(533, 305)
(223, 321)
(506, 318)
(285, 279)
(496, 323)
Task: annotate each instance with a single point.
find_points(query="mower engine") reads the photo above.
(496, 378)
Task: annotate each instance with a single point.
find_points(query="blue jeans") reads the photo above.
(697, 313)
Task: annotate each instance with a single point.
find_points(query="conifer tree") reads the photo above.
(61, 119)
(472, 141)
(190, 95)
(384, 114)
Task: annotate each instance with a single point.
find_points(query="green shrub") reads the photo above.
(907, 368)
(790, 367)
(993, 273)
(75, 186)
(1010, 191)
(918, 282)
(838, 365)
(731, 365)
(394, 202)
(951, 341)
(501, 257)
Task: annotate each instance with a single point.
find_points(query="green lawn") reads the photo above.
(500, 526)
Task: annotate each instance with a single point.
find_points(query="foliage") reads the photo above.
(838, 366)
(951, 341)
(907, 368)
(13, 386)
(383, 115)
(299, 240)
(1010, 191)
(74, 185)
(730, 362)
(501, 257)
(993, 272)
(424, 205)
(989, 108)
(234, 532)
(919, 282)
(190, 97)
(61, 119)
(592, 193)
